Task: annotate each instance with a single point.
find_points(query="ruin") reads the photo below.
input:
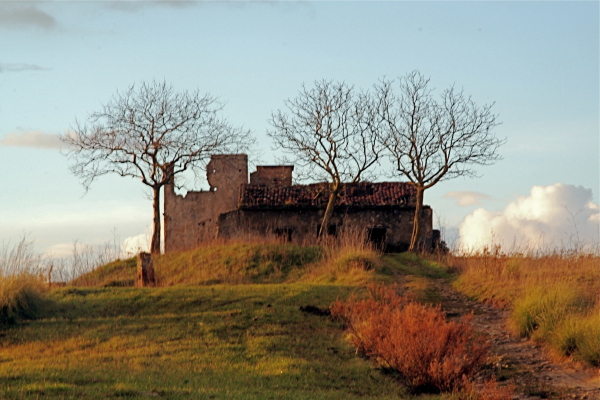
(269, 203)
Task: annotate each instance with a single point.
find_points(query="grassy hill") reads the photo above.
(243, 263)
(228, 325)
(224, 342)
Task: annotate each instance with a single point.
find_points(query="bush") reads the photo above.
(414, 340)
(21, 297)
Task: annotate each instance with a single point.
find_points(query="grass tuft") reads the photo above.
(21, 297)
(348, 265)
(538, 312)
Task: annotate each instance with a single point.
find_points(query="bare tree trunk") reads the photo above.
(328, 211)
(155, 244)
(415, 240)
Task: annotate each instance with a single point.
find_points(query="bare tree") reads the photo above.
(330, 132)
(431, 139)
(151, 132)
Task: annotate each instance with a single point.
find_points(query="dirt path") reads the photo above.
(521, 362)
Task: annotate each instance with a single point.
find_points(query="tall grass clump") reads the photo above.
(579, 336)
(554, 298)
(347, 259)
(540, 310)
(21, 297)
(414, 340)
(21, 287)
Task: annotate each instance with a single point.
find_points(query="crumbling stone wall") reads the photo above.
(300, 225)
(272, 175)
(201, 216)
(192, 219)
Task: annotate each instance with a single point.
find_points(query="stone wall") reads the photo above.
(192, 219)
(272, 175)
(299, 225)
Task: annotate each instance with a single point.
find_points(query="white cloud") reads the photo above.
(466, 198)
(34, 139)
(554, 217)
(135, 244)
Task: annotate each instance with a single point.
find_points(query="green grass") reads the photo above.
(414, 265)
(233, 263)
(538, 312)
(221, 342)
(227, 325)
(116, 273)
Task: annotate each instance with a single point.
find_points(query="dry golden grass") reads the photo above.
(553, 298)
(501, 278)
(21, 297)
(347, 259)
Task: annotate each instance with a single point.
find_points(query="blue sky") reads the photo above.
(62, 60)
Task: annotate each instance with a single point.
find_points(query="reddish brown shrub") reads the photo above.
(413, 339)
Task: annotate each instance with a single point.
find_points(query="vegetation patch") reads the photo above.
(116, 273)
(351, 265)
(414, 340)
(223, 341)
(234, 263)
(553, 298)
(21, 297)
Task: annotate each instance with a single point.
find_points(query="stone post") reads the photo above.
(145, 271)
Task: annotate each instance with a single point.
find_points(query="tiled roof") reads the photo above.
(363, 194)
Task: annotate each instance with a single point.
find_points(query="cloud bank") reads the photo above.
(555, 217)
(16, 16)
(34, 139)
(137, 5)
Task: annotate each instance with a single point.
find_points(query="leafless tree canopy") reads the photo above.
(331, 132)
(151, 132)
(141, 132)
(432, 139)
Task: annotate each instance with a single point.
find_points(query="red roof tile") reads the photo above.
(363, 194)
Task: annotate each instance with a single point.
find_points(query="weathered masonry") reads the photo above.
(269, 204)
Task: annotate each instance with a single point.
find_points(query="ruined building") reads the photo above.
(269, 204)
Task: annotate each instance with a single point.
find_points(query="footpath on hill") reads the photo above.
(519, 362)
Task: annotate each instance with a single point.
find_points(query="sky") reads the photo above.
(536, 61)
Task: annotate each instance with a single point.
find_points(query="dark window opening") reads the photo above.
(376, 237)
(332, 230)
(284, 233)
